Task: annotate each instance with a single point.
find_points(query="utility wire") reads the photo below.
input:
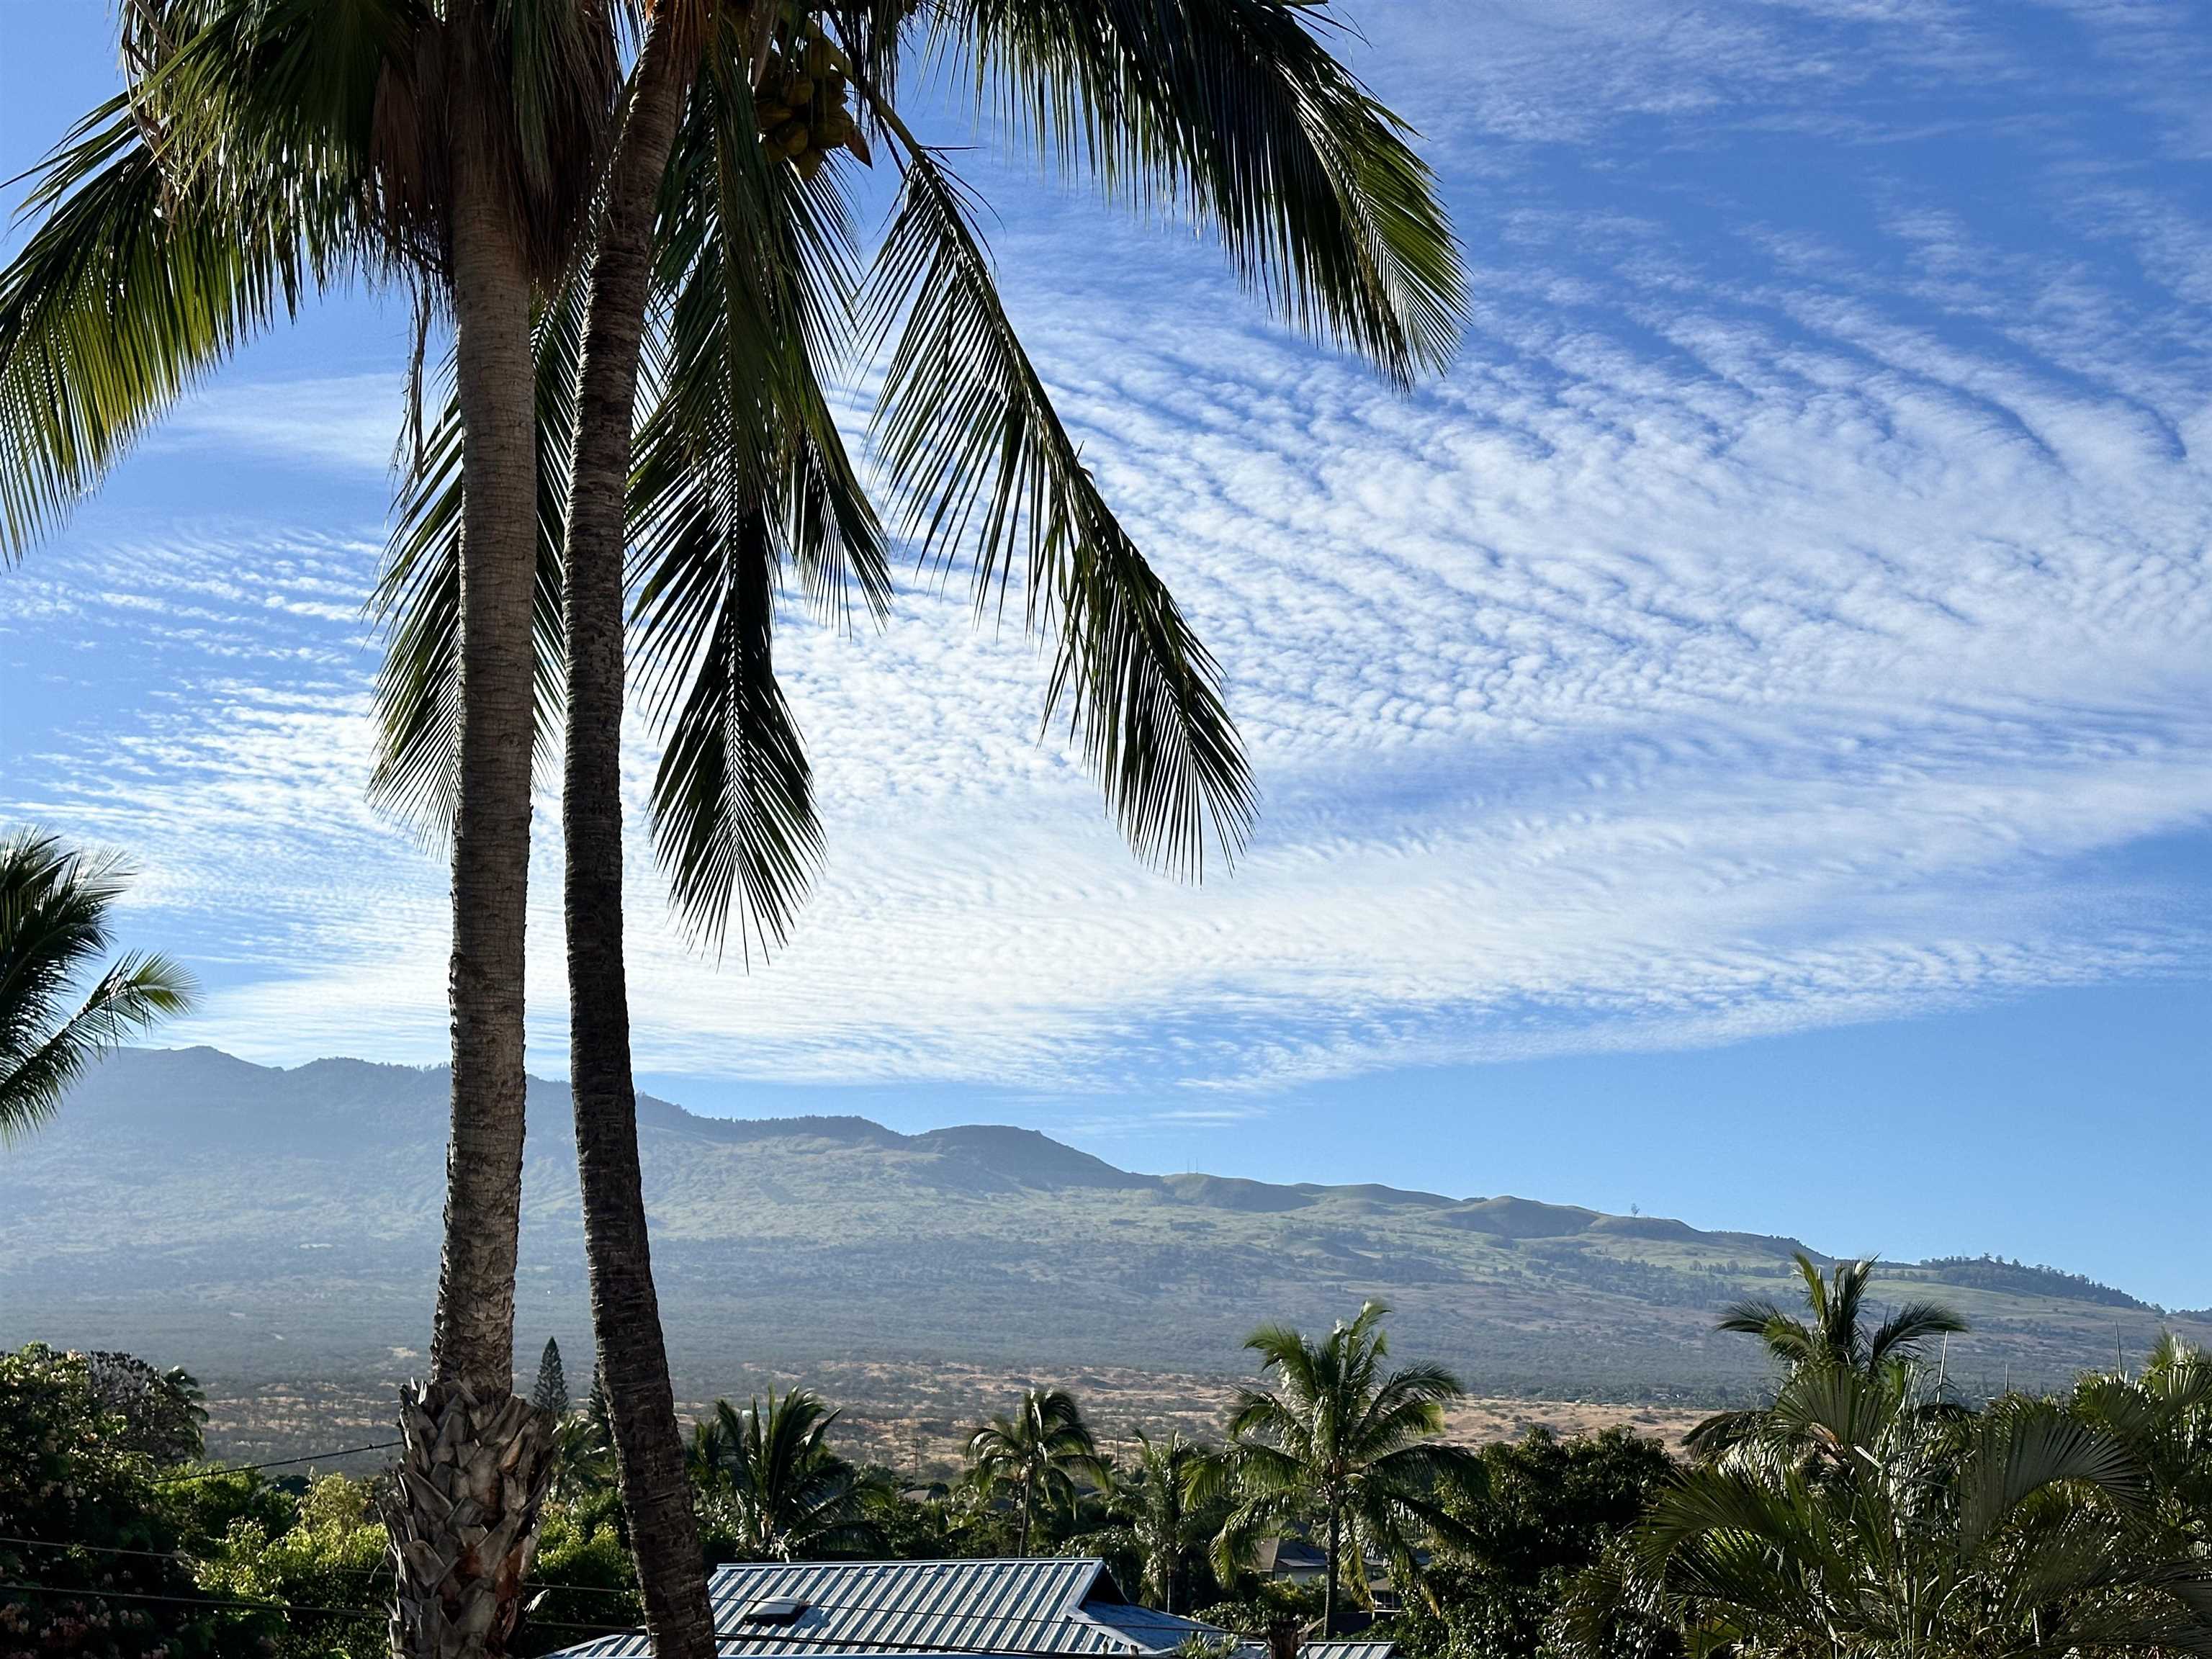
(281, 1463)
(778, 1640)
(266, 1607)
(746, 1635)
(720, 1636)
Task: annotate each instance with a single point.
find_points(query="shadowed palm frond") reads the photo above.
(55, 907)
(417, 601)
(1234, 112)
(972, 442)
(741, 472)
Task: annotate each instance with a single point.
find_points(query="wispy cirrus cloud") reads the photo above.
(344, 423)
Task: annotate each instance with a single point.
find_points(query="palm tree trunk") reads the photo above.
(464, 1512)
(1328, 1588)
(625, 1309)
(1028, 1490)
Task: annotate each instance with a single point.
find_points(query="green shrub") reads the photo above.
(98, 1577)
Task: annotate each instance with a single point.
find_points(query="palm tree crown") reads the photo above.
(764, 299)
(790, 1498)
(54, 929)
(1826, 1349)
(1158, 1506)
(1037, 1451)
(1344, 1442)
(1833, 1331)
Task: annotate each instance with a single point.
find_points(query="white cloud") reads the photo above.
(349, 423)
(1790, 611)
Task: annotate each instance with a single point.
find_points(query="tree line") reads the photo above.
(1863, 1511)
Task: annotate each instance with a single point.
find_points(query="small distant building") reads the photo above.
(1293, 1559)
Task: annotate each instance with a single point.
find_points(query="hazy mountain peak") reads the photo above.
(257, 1223)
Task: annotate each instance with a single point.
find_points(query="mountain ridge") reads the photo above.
(254, 1221)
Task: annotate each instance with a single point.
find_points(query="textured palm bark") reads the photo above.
(1328, 1592)
(625, 1311)
(464, 1512)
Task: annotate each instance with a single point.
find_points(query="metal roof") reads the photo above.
(897, 1609)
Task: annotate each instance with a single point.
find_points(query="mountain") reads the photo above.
(257, 1225)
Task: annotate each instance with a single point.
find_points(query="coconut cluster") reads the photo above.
(801, 109)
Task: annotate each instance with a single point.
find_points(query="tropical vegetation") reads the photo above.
(771, 1489)
(1035, 1454)
(61, 1003)
(1348, 1446)
(1866, 1511)
(1163, 1520)
(1878, 1517)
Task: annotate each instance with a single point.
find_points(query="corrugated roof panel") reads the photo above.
(895, 1609)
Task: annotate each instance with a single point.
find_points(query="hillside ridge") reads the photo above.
(259, 1222)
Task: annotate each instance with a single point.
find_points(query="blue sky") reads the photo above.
(1739, 745)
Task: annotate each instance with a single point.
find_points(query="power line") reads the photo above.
(231, 1603)
(775, 1639)
(269, 1606)
(180, 1559)
(852, 1643)
(281, 1463)
(855, 1644)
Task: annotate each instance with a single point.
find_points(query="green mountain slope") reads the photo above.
(255, 1224)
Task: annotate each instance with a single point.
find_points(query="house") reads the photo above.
(1060, 1606)
(1293, 1559)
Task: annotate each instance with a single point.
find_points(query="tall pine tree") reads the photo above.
(551, 1391)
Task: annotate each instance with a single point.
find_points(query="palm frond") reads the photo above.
(1236, 112)
(134, 285)
(740, 472)
(971, 438)
(1904, 1330)
(55, 908)
(417, 601)
(2017, 1452)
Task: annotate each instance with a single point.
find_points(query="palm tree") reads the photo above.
(1157, 1509)
(1834, 1332)
(1830, 1334)
(584, 1459)
(1343, 1443)
(2163, 1415)
(729, 305)
(54, 905)
(2022, 1531)
(1038, 1451)
(258, 154)
(791, 1497)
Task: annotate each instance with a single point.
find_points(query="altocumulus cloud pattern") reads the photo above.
(1793, 608)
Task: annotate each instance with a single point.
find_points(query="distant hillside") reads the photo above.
(257, 1225)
